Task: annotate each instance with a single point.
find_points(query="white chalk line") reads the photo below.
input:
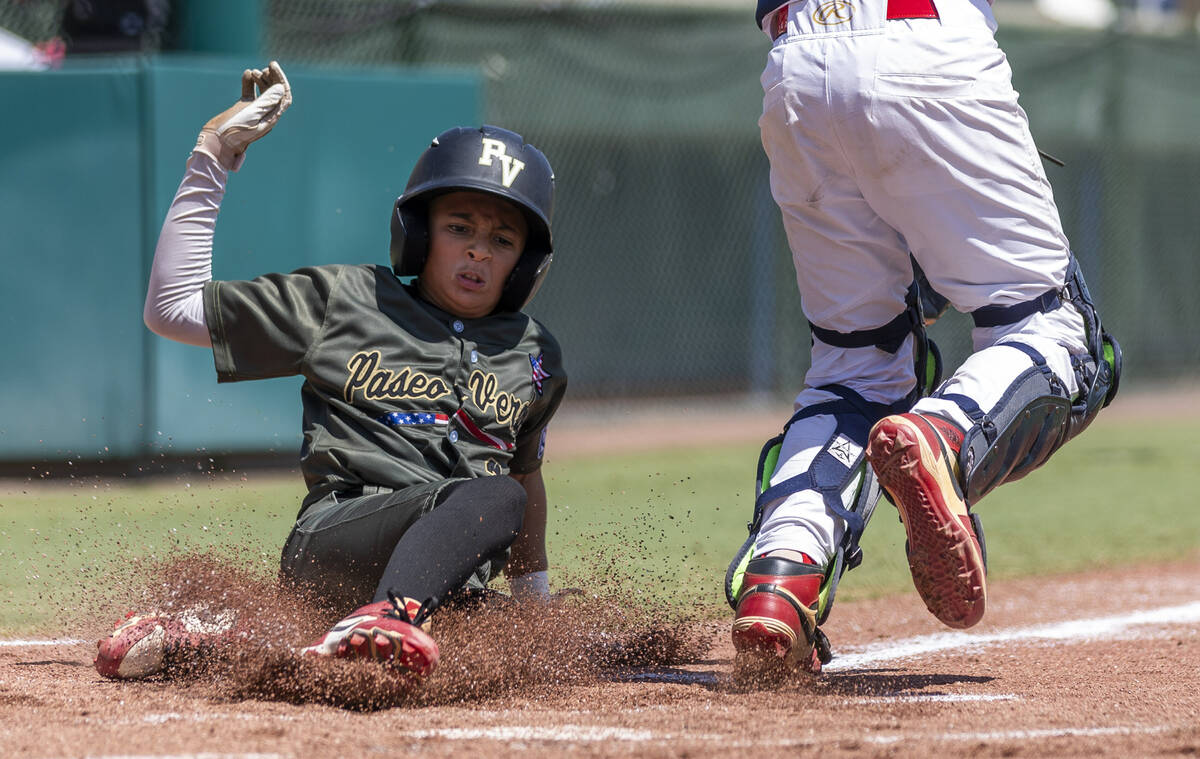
(1025, 735)
(599, 733)
(35, 643)
(594, 734)
(1098, 628)
(163, 718)
(559, 733)
(935, 698)
(206, 755)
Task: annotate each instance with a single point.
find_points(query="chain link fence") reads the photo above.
(672, 274)
(33, 20)
(669, 253)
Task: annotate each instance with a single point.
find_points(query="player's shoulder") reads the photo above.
(524, 328)
(357, 272)
(539, 341)
(330, 272)
(364, 278)
(519, 332)
(543, 336)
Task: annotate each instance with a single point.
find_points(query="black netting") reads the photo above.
(672, 273)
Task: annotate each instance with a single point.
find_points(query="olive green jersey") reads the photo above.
(397, 392)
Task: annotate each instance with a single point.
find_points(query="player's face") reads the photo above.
(475, 240)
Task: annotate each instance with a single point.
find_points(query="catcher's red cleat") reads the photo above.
(387, 631)
(142, 645)
(915, 457)
(775, 626)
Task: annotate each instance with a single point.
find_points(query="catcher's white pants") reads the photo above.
(886, 137)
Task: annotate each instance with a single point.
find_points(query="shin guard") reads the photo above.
(1035, 416)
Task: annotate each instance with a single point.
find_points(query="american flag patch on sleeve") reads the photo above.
(539, 372)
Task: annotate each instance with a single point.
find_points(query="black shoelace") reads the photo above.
(399, 611)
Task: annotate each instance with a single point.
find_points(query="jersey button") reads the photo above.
(453, 436)
(457, 325)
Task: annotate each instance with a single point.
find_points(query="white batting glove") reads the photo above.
(226, 135)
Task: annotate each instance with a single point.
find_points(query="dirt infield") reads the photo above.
(1103, 664)
(1097, 664)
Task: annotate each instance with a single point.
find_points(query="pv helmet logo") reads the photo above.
(833, 13)
(509, 166)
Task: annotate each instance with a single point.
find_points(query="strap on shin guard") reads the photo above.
(833, 472)
(1098, 382)
(837, 470)
(919, 300)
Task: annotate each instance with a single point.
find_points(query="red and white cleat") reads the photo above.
(386, 631)
(775, 625)
(915, 457)
(142, 645)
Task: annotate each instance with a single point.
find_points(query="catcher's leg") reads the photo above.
(1001, 415)
(815, 497)
(819, 493)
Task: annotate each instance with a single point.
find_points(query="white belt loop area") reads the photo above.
(824, 18)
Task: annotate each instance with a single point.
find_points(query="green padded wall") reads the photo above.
(86, 176)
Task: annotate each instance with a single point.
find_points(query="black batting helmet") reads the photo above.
(488, 159)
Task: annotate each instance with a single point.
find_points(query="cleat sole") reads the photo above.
(943, 553)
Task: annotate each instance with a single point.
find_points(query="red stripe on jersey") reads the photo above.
(479, 434)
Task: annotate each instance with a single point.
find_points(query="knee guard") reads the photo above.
(922, 306)
(1035, 417)
(838, 473)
